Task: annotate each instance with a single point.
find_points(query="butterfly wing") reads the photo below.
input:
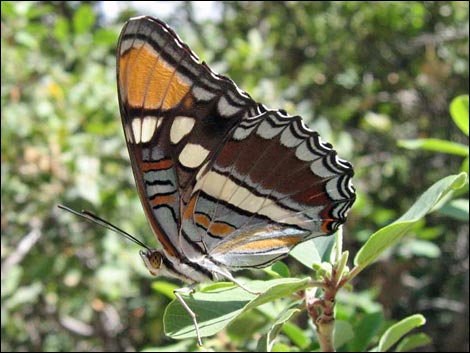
(218, 175)
(176, 114)
(273, 185)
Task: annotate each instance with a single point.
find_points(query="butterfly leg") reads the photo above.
(187, 290)
(237, 282)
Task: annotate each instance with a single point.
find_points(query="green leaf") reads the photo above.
(11, 282)
(364, 301)
(281, 269)
(387, 236)
(104, 37)
(266, 342)
(398, 330)
(418, 247)
(306, 253)
(298, 336)
(8, 9)
(437, 145)
(25, 295)
(26, 39)
(166, 288)
(343, 333)
(243, 327)
(411, 342)
(61, 30)
(457, 209)
(365, 330)
(315, 250)
(217, 308)
(83, 19)
(464, 166)
(281, 347)
(459, 112)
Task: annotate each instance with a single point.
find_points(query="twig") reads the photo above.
(322, 313)
(322, 310)
(24, 246)
(76, 326)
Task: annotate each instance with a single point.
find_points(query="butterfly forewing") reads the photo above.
(176, 114)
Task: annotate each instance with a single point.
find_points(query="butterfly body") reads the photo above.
(225, 183)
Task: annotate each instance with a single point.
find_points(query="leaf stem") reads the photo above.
(322, 313)
(354, 272)
(322, 310)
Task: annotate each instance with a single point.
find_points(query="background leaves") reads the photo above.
(363, 76)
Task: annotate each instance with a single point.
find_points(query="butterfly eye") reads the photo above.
(152, 259)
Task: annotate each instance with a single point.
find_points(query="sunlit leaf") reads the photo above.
(281, 347)
(297, 335)
(61, 30)
(457, 209)
(83, 19)
(432, 144)
(166, 288)
(217, 308)
(398, 330)
(388, 235)
(459, 112)
(25, 295)
(412, 342)
(315, 250)
(279, 269)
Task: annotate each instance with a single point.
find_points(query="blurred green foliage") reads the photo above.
(362, 74)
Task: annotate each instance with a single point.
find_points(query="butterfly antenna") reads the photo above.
(105, 224)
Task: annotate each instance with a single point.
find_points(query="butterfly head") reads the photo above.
(153, 259)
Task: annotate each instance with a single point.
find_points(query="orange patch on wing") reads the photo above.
(269, 243)
(188, 102)
(163, 200)
(325, 215)
(218, 229)
(189, 210)
(123, 62)
(202, 220)
(148, 81)
(221, 229)
(160, 165)
(325, 224)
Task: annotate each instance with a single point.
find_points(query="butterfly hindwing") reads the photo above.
(273, 185)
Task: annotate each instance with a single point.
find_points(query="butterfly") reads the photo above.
(226, 183)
